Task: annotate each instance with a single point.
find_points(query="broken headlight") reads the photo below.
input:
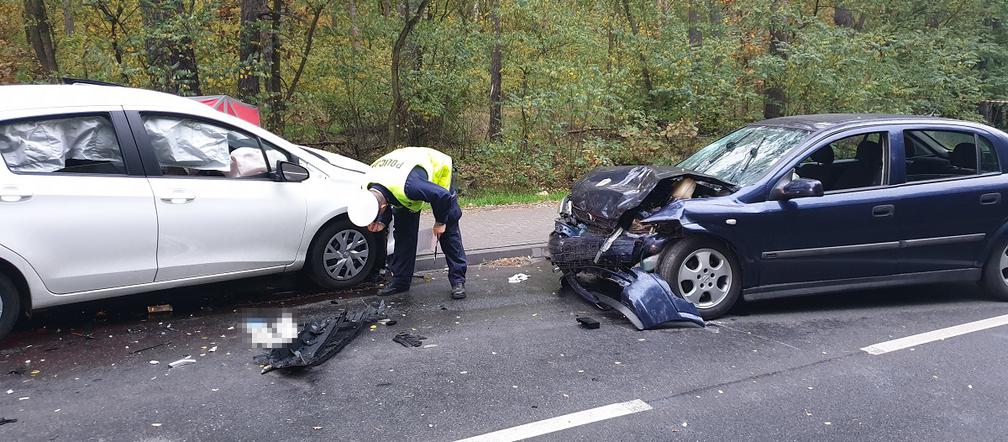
(565, 207)
(639, 228)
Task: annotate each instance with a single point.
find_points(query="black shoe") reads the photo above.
(458, 291)
(391, 290)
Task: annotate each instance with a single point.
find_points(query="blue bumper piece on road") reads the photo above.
(646, 299)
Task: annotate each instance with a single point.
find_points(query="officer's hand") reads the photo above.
(438, 230)
(376, 227)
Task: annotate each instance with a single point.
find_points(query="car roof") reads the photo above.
(20, 97)
(820, 122)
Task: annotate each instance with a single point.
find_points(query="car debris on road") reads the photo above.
(320, 340)
(408, 340)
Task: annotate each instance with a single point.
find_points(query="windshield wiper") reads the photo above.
(752, 154)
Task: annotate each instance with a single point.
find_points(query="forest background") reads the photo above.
(526, 94)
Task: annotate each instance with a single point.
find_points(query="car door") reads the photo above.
(951, 197)
(219, 208)
(74, 201)
(848, 232)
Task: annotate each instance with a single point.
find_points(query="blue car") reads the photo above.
(791, 205)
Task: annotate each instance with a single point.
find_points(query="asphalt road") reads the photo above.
(512, 354)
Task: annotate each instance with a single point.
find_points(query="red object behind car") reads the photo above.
(231, 106)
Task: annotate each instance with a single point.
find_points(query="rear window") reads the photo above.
(77, 144)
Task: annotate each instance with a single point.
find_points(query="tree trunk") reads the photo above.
(397, 114)
(68, 18)
(171, 59)
(272, 55)
(693, 34)
(355, 34)
(635, 29)
(494, 130)
(250, 48)
(38, 30)
(714, 17)
(309, 39)
(843, 17)
(774, 95)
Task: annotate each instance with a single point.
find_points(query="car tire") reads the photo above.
(704, 272)
(10, 305)
(333, 257)
(995, 273)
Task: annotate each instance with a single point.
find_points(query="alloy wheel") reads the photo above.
(705, 278)
(1003, 265)
(345, 254)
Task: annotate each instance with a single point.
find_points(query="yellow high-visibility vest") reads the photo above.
(392, 169)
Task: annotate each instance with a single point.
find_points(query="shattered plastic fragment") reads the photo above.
(517, 278)
(184, 361)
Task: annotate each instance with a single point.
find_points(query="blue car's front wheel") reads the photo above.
(704, 272)
(995, 276)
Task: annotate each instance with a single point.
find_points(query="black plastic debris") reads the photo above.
(408, 340)
(588, 323)
(4, 420)
(320, 340)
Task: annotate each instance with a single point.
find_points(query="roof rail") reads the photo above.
(70, 80)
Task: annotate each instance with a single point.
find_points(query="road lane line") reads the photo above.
(564, 422)
(935, 335)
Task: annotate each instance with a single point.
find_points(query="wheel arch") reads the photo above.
(749, 276)
(20, 283)
(342, 217)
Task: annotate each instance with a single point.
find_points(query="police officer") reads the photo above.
(396, 188)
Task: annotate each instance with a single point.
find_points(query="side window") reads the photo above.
(942, 154)
(848, 163)
(988, 157)
(188, 147)
(77, 144)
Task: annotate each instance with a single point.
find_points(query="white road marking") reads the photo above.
(935, 335)
(564, 422)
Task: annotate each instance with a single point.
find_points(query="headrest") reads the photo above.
(823, 155)
(869, 152)
(964, 156)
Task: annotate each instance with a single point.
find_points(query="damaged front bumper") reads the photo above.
(617, 267)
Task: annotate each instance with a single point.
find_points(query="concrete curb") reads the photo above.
(476, 257)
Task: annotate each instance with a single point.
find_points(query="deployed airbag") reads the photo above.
(45, 145)
(188, 143)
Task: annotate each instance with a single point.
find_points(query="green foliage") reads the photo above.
(575, 72)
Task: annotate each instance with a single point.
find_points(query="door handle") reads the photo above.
(883, 211)
(988, 199)
(179, 196)
(13, 194)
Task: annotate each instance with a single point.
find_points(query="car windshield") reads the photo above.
(743, 156)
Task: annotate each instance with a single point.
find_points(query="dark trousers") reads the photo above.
(403, 260)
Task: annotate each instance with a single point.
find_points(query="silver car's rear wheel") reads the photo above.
(346, 254)
(705, 278)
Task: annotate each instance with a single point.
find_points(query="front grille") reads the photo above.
(569, 253)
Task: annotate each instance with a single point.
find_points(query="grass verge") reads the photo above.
(500, 198)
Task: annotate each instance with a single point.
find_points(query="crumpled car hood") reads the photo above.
(608, 192)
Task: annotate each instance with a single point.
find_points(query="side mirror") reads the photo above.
(290, 172)
(788, 189)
